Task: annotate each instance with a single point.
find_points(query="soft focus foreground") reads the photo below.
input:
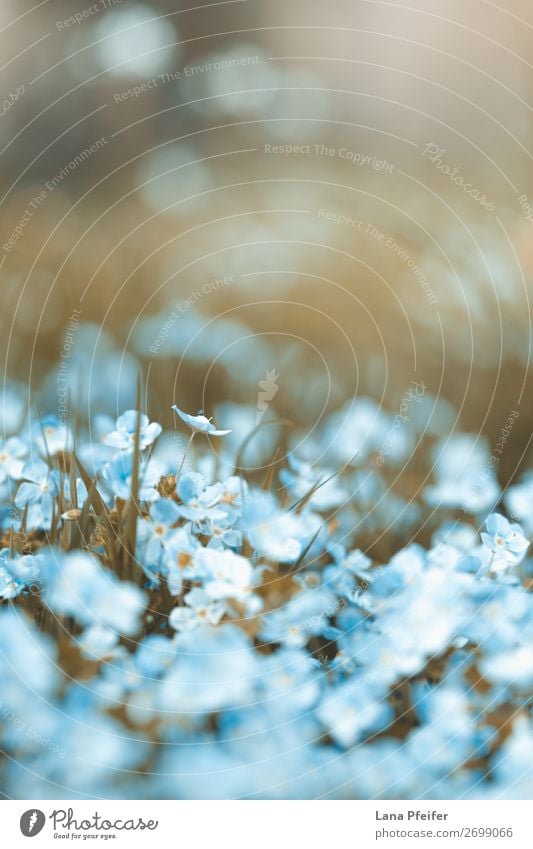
(172, 629)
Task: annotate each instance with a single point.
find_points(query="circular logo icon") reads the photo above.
(32, 822)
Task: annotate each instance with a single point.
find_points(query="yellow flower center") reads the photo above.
(183, 559)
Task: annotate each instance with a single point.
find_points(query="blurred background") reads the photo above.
(336, 192)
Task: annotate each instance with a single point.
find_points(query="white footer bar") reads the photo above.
(268, 824)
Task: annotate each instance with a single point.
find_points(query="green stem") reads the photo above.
(193, 434)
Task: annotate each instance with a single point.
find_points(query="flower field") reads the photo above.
(173, 626)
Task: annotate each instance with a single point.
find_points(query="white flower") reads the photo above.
(199, 423)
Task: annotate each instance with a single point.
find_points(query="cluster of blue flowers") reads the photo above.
(171, 629)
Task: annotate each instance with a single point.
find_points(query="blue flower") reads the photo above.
(123, 437)
(289, 684)
(457, 534)
(234, 489)
(353, 711)
(466, 492)
(464, 477)
(355, 431)
(91, 595)
(154, 655)
(512, 767)
(118, 476)
(301, 477)
(23, 647)
(385, 660)
(98, 642)
(221, 533)
(184, 619)
(200, 610)
(199, 500)
(504, 539)
(519, 501)
(304, 616)
(9, 586)
(498, 617)
(179, 558)
(39, 485)
(216, 670)
(18, 572)
(273, 532)
(273, 680)
(12, 454)
(153, 533)
(52, 437)
(512, 669)
(340, 580)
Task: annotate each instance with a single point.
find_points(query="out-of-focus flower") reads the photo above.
(353, 710)
(519, 502)
(512, 773)
(134, 41)
(23, 647)
(465, 492)
(154, 655)
(9, 586)
(51, 436)
(18, 572)
(118, 475)
(301, 477)
(98, 642)
(304, 616)
(83, 590)
(512, 669)
(216, 671)
(274, 533)
(12, 453)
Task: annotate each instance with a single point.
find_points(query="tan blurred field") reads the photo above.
(372, 78)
